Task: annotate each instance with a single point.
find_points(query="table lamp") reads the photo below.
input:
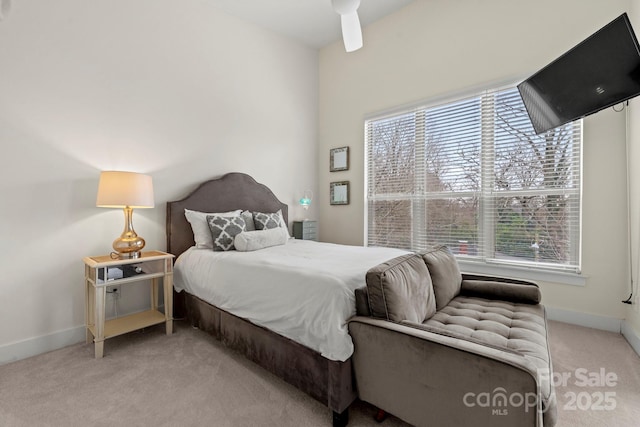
(305, 200)
(126, 190)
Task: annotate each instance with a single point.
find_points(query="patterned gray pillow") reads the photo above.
(224, 230)
(248, 220)
(266, 221)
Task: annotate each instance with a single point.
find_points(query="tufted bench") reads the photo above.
(436, 347)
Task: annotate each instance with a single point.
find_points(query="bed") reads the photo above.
(321, 369)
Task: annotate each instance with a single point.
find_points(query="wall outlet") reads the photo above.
(113, 291)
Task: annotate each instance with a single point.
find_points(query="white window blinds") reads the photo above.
(471, 174)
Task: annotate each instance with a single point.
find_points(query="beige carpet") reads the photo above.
(590, 359)
(189, 379)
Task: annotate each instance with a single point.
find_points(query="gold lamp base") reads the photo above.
(129, 244)
(128, 247)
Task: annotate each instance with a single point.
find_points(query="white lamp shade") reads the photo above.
(121, 189)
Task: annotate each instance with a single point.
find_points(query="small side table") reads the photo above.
(98, 273)
(305, 230)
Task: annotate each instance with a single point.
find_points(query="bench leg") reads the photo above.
(341, 419)
(380, 416)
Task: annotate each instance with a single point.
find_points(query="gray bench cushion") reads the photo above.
(512, 292)
(519, 328)
(445, 274)
(400, 289)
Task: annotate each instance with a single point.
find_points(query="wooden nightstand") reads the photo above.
(103, 271)
(305, 230)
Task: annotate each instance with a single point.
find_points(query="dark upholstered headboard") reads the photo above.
(232, 191)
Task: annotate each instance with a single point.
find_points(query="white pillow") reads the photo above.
(260, 239)
(200, 227)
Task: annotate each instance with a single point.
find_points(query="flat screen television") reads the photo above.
(601, 71)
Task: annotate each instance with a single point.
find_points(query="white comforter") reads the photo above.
(302, 290)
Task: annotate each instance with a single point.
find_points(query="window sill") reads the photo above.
(523, 273)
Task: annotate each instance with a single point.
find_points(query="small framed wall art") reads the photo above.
(339, 159)
(339, 193)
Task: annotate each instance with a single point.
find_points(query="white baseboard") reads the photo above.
(53, 341)
(43, 344)
(631, 336)
(595, 321)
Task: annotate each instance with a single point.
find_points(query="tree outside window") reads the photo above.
(471, 174)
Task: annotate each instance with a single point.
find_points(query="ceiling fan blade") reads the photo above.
(351, 31)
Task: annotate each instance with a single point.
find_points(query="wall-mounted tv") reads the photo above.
(601, 71)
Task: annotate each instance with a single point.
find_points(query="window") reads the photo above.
(471, 174)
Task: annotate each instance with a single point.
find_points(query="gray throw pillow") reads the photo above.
(201, 232)
(224, 230)
(445, 274)
(265, 221)
(400, 289)
(248, 220)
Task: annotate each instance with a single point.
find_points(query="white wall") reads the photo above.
(179, 91)
(432, 48)
(633, 311)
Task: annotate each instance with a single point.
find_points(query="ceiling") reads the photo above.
(312, 22)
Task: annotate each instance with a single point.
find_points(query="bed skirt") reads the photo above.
(328, 381)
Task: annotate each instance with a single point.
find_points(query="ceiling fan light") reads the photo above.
(351, 31)
(345, 7)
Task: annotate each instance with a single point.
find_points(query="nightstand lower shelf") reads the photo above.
(130, 323)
